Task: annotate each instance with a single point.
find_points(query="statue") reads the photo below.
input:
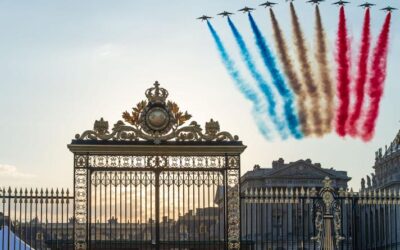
(374, 182)
(368, 181)
(362, 184)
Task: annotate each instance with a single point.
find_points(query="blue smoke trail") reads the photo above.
(246, 90)
(277, 79)
(261, 82)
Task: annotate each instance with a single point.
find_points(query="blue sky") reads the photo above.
(64, 64)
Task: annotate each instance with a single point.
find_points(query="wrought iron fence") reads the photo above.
(285, 218)
(36, 219)
(124, 205)
(377, 219)
(280, 218)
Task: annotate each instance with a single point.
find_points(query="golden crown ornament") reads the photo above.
(156, 119)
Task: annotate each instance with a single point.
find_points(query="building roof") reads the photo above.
(301, 169)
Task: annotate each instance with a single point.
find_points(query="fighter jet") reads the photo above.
(225, 14)
(315, 1)
(204, 18)
(341, 2)
(246, 9)
(366, 5)
(389, 9)
(268, 4)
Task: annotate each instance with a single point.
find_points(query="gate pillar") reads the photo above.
(81, 207)
(327, 218)
(233, 202)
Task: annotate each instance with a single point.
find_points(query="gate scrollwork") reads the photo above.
(327, 219)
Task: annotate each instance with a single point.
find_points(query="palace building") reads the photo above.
(387, 168)
(301, 173)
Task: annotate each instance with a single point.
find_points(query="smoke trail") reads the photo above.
(378, 76)
(306, 71)
(290, 73)
(324, 71)
(343, 77)
(245, 88)
(262, 84)
(362, 75)
(277, 79)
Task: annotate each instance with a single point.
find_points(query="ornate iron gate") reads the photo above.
(152, 183)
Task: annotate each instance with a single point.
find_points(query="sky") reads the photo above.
(64, 64)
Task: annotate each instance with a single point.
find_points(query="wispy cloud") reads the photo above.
(9, 171)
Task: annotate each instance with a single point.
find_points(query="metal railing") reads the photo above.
(36, 219)
(281, 218)
(377, 219)
(284, 218)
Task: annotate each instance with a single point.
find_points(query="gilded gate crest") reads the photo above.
(157, 120)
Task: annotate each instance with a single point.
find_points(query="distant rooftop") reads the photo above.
(301, 173)
(279, 165)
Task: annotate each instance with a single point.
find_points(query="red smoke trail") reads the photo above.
(362, 75)
(378, 75)
(343, 77)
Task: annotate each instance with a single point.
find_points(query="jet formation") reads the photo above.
(271, 4)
